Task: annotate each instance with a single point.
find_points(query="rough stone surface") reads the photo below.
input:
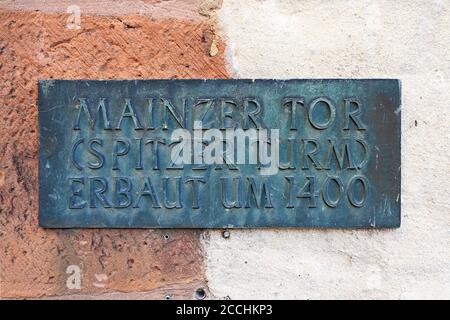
(352, 39)
(153, 9)
(176, 291)
(36, 45)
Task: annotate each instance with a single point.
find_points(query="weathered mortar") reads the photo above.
(349, 39)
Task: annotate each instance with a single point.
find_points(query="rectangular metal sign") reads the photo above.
(219, 153)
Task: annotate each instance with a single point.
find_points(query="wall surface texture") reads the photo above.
(125, 39)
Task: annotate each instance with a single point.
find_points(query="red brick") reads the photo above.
(36, 45)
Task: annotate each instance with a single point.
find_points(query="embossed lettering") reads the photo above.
(76, 200)
(353, 115)
(92, 118)
(128, 112)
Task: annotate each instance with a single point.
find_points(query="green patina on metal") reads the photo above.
(219, 153)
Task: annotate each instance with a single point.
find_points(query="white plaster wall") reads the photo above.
(404, 39)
